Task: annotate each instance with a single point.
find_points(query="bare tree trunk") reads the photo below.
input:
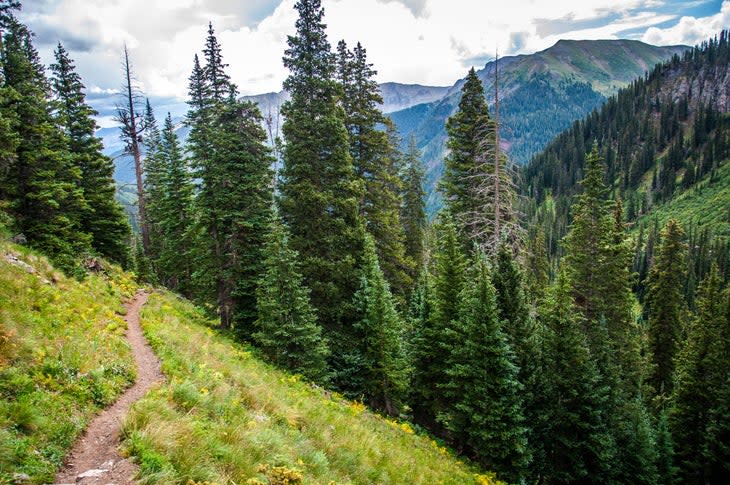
(132, 131)
(497, 189)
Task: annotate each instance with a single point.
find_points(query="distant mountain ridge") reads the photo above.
(541, 94)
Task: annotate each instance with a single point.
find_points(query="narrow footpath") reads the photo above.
(95, 459)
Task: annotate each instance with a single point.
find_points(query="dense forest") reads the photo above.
(543, 335)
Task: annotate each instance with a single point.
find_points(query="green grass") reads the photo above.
(706, 204)
(226, 417)
(63, 357)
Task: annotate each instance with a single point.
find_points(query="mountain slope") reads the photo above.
(540, 95)
(225, 417)
(63, 357)
(660, 136)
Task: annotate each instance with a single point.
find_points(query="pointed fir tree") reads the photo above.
(176, 213)
(484, 408)
(319, 192)
(703, 366)
(375, 157)
(665, 302)
(466, 129)
(42, 183)
(436, 338)
(413, 211)
(379, 330)
(232, 163)
(572, 430)
(102, 217)
(286, 328)
(154, 167)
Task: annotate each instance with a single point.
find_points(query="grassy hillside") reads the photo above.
(226, 417)
(63, 357)
(705, 204)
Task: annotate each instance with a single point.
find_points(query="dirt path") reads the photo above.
(95, 458)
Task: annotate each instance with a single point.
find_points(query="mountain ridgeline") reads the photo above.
(665, 140)
(541, 94)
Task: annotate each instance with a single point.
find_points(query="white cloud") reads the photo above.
(690, 30)
(416, 41)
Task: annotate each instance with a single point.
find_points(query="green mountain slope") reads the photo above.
(63, 356)
(226, 417)
(223, 416)
(665, 140)
(541, 94)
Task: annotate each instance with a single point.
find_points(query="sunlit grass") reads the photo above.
(226, 417)
(63, 356)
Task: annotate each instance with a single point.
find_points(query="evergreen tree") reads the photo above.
(154, 167)
(375, 161)
(102, 217)
(666, 470)
(413, 212)
(700, 395)
(379, 330)
(665, 302)
(572, 429)
(319, 190)
(485, 408)
(41, 182)
(233, 203)
(466, 130)
(519, 328)
(537, 265)
(286, 328)
(435, 336)
(176, 213)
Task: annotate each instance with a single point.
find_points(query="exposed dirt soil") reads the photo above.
(95, 459)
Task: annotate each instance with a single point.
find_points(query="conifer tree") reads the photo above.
(379, 329)
(703, 366)
(42, 183)
(466, 129)
(519, 328)
(537, 265)
(483, 393)
(233, 203)
(435, 338)
(665, 302)
(102, 217)
(572, 430)
(319, 190)
(376, 162)
(154, 167)
(176, 213)
(413, 212)
(286, 327)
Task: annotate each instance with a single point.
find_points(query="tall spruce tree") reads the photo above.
(102, 217)
(413, 211)
(380, 337)
(42, 183)
(375, 161)
(665, 302)
(175, 213)
(484, 409)
(319, 190)
(703, 366)
(286, 327)
(466, 130)
(435, 339)
(572, 430)
(232, 163)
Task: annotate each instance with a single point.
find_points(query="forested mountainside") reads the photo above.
(511, 330)
(665, 140)
(541, 94)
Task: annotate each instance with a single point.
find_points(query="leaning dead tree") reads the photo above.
(494, 219)
(132, 126)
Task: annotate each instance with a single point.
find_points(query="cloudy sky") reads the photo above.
(411, 41)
